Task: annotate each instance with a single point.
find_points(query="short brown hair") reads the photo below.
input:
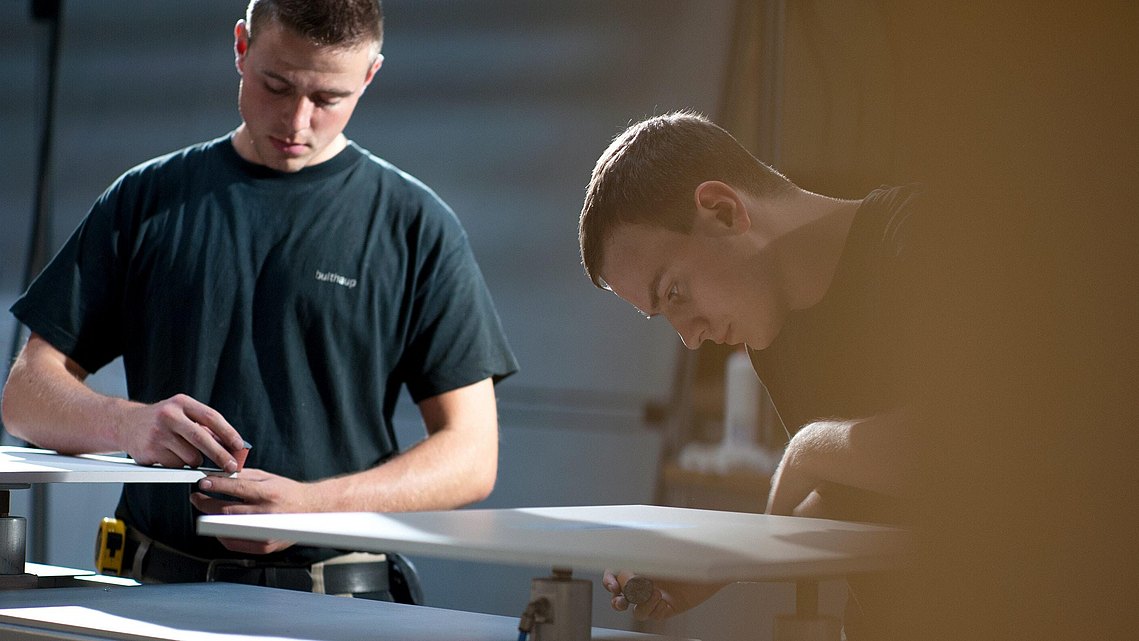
(333, 23)
(649, 173)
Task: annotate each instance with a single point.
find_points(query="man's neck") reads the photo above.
(810, 245)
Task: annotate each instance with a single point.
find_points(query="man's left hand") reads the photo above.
(254, 491)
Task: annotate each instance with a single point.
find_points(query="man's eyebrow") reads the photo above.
(276, 76)
(336, 93)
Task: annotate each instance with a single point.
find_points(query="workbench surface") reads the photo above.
(232, 612)
(23, 465)
(681, 543)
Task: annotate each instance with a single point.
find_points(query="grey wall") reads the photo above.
(502, 106)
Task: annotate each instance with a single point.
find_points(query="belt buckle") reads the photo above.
(214, 564)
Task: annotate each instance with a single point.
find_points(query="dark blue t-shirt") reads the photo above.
(296, 304)
(850, 355)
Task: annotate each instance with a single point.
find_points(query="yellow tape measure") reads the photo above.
(110, 545)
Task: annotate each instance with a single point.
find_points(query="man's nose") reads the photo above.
(689, 330)
(300, 114)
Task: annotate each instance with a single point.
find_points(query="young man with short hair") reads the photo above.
(829, 296)
(279, 285)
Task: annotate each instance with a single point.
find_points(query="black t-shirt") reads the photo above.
(846, 357)
(862, 351)
(296, 304)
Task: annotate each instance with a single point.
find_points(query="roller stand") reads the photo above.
(13, 544)
(560, 608)
(806, 624)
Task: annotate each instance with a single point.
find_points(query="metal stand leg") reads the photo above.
(13, 544)
(806, 624)
(569, 612)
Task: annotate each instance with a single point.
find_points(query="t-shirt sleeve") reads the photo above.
(457, 337)
(73, 303)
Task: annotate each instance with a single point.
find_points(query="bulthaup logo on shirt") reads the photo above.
(330, 277)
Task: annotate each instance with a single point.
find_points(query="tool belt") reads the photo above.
(357, 574)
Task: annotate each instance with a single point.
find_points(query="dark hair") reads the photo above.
(335, 23)
(649, 174)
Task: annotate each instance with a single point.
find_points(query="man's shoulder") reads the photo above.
(406, 191)
(172, 174)
(180, 159)
(396, 177)
(895, 198)
(890, 215)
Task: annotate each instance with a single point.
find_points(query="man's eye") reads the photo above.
(673, 293)
(278, 91)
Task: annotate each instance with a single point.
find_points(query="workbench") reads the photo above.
(20, 467)
(47, 606)
(661, 542)
(233, 612)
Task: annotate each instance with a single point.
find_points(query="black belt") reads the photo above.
(357, 574)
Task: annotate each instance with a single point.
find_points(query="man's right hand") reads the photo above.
(179, 431)
(48, 404)
(667, 598)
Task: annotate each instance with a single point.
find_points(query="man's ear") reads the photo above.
(240, 45)
(720, 210)
(376, 64)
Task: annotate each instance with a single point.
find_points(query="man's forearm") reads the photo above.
(447, 470)
(455, 465)
(47, 403)
(49, 406)
(875, 454)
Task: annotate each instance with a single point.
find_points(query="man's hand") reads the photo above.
(179, 431)
(255, 492)
(47, 403)
(668, 597)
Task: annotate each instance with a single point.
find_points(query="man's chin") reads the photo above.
(288, 165)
